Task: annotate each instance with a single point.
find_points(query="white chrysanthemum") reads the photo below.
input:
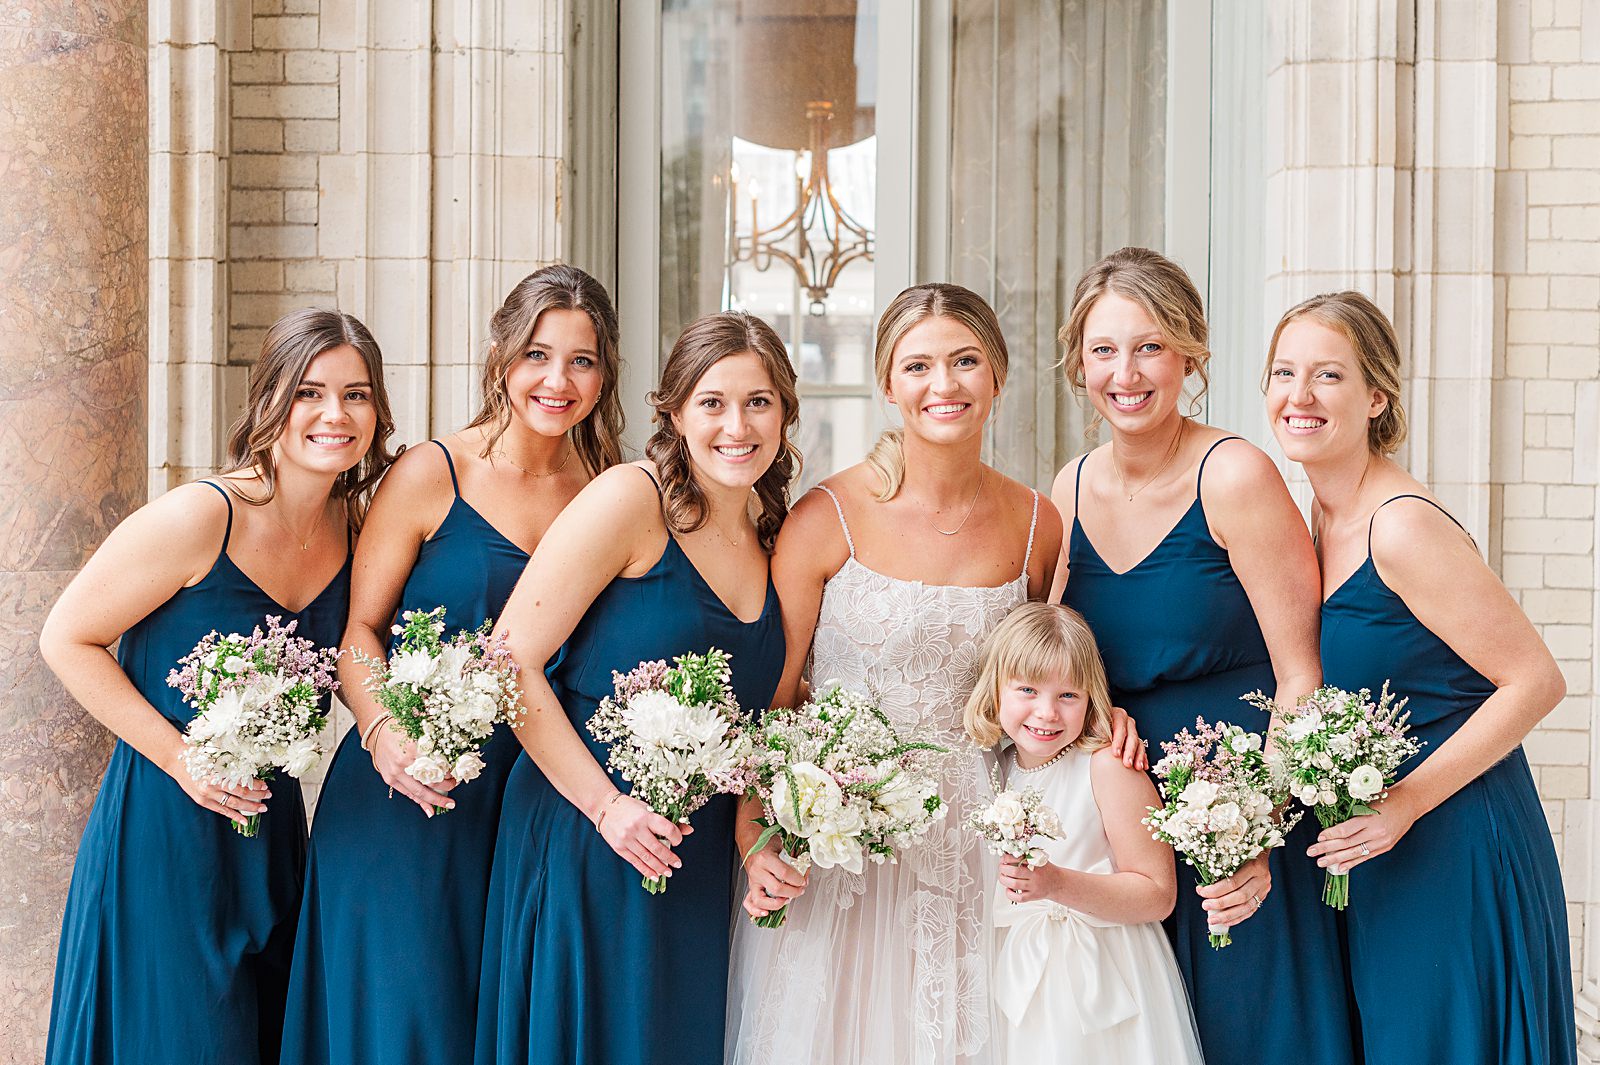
(411, 667)
(301, 756)
(654, 718)
(1304, 726)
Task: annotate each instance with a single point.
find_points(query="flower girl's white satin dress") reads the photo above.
(1071, 987)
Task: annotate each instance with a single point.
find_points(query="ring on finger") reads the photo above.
(1366, 851)
(224, 800)
(1257, 900)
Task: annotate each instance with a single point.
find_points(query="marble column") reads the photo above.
(73, 365)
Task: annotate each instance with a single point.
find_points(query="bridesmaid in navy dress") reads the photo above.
(1188, 558)
(391, 929)
(651, 561)
(1457, 918)
(178, 931)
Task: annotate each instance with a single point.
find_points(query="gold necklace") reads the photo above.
(982, 470)
(537, 473)
(1171, 454)
(305, 545)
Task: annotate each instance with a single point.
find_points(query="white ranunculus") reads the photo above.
(816, 794)
(428, 769)
(301, 757)
(834, 841)
(1199, 794)
(468, 766)
(1365, 782)
(1301, 727)
(411, 667)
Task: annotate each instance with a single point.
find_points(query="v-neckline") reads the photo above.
(269, 597)
(1078, 524)
(1347, 581)
(766, 601)
(476, 513)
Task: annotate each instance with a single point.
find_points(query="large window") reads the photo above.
(806, 159)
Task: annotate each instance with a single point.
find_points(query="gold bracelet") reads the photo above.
(366, 737)
(605, 806)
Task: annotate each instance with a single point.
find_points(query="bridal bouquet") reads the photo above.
(838, 785)
(259, 705)
(1219, 796)
(1011, 823)
(676, 734)
(446, 695)
(1337, 753)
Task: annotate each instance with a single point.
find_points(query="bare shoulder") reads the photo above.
(421, 471)
(185, 527)
(1109, 776)
(1410, 536)
(1022, 501)
(812, 530)
(627, 492)
(1237, 471)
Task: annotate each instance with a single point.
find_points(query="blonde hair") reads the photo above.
(705, 342)
(1037, 640)
(287, 351)
(597, 438)
(906, 311)
(1159, 286)
(1372, 337)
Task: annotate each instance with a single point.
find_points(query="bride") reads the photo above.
(890, 575)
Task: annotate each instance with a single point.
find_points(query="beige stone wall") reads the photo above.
(1547, 409)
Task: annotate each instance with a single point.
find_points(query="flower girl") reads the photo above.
(1082, 971)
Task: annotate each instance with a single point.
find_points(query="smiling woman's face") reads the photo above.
(942, 381)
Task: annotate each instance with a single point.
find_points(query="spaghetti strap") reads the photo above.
(647, 473)
(1077, 484)
(846, 525)
(227, 498)
(454, 484)
(1033, 524)
(1425, 499)
(1201, 472)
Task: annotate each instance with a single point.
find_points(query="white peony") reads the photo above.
(468, 766)
(835, 842)
(1199, 794)
(428, 769)
(1365, 782)
(816, 794)
(411, 667)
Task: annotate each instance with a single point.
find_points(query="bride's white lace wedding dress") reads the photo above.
(889, 967)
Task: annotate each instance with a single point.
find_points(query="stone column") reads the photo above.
(73, 284)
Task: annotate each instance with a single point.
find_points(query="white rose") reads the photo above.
(816, 794)
(428, 769)
(1365, 782)
(1006, 814)
(410, 667)
(1047, 822)
(834, 842)
(301, 757)
(902, 798)
(1307, 793)
(1326, 798)
(1259, 806)
(1322, 760)
(1199, 794)
(1223, 816)
(468, 766)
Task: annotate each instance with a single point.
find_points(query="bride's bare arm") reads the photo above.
(810, 549)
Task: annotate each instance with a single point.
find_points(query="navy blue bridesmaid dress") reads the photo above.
(581, 966)
(1458, 936)
(391, 928)
(178, 931)
(1180, 640)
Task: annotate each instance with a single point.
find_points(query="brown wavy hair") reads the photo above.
(910, 308)
(287, 351)
(1377, 348)
(708, 340)
(598, 438)
(1158, 285)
